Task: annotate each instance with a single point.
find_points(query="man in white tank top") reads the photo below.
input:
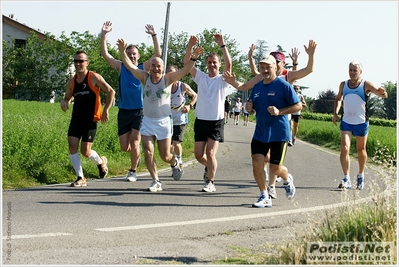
(157, 120)
(180, 108)
(353, 94)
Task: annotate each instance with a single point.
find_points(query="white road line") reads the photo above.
(34, 236)
(225, 219)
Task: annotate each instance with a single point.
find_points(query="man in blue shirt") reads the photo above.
(273, 99)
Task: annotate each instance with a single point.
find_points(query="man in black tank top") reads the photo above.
(85, 88)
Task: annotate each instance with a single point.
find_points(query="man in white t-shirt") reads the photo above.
(237, 110)
(209, 112)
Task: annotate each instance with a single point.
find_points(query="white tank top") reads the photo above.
(156, 98)
(177, 100)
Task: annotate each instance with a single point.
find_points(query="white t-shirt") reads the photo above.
(210, 97)
(237, 107)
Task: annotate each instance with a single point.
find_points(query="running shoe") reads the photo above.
(209, 187)
(272, 192)
(360, 182)
(290, 188)
(131, 176)
(103, 168)
(263, 202)
(79, 182)
(345, 183)
(177, 171)
(155, 186)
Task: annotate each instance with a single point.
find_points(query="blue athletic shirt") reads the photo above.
(280, 94)
(130, 91)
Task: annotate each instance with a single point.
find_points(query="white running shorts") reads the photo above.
(161, 128)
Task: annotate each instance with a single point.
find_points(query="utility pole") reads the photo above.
(165, 36)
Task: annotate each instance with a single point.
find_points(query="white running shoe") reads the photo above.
(360, 182)
(131, 176)
(209, 187)
(272, 192)
(290, 188)
(155, 186)
(263, 202)
(345, 183)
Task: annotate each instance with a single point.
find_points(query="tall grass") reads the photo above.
(35, 145)
(372, 221)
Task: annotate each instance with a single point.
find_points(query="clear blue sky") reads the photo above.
(366, 31)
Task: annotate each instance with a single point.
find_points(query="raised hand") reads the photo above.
(311, 47)
(294, 54)
(192, 41)
(218, 38)
(229, 77)
(107, 27)
(149, 28)
(251, 50)
(197, 52)
(121, 45)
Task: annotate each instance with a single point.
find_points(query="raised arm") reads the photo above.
(172, 77)
(378, 91)
(294, 57)
(191, 42)
(139, 74)
(157, 48)
(251, 60)
(298, 74)
(338, 103)
(230, 78)
(218, 38)
(114, 63)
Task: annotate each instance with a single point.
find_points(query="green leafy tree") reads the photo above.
(324, 103)
(39, 70)
(177, 46)
(375, 107)
(390, 103)
(309, 102)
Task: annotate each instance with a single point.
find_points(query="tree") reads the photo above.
(324, 103)
(37, 71)
(390, 103)
(177, 46)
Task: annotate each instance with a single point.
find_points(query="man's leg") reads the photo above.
(148, 143)
(345, 148)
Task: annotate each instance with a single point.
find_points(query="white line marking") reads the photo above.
(35, 236)
(225, 219)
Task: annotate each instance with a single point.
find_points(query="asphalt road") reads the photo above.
(116, 222)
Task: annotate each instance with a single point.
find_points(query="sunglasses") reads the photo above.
(79, 60)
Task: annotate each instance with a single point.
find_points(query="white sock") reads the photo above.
(77, 165)
(264, 192)
(95, 157)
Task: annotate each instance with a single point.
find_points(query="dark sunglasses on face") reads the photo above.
(79, 61)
